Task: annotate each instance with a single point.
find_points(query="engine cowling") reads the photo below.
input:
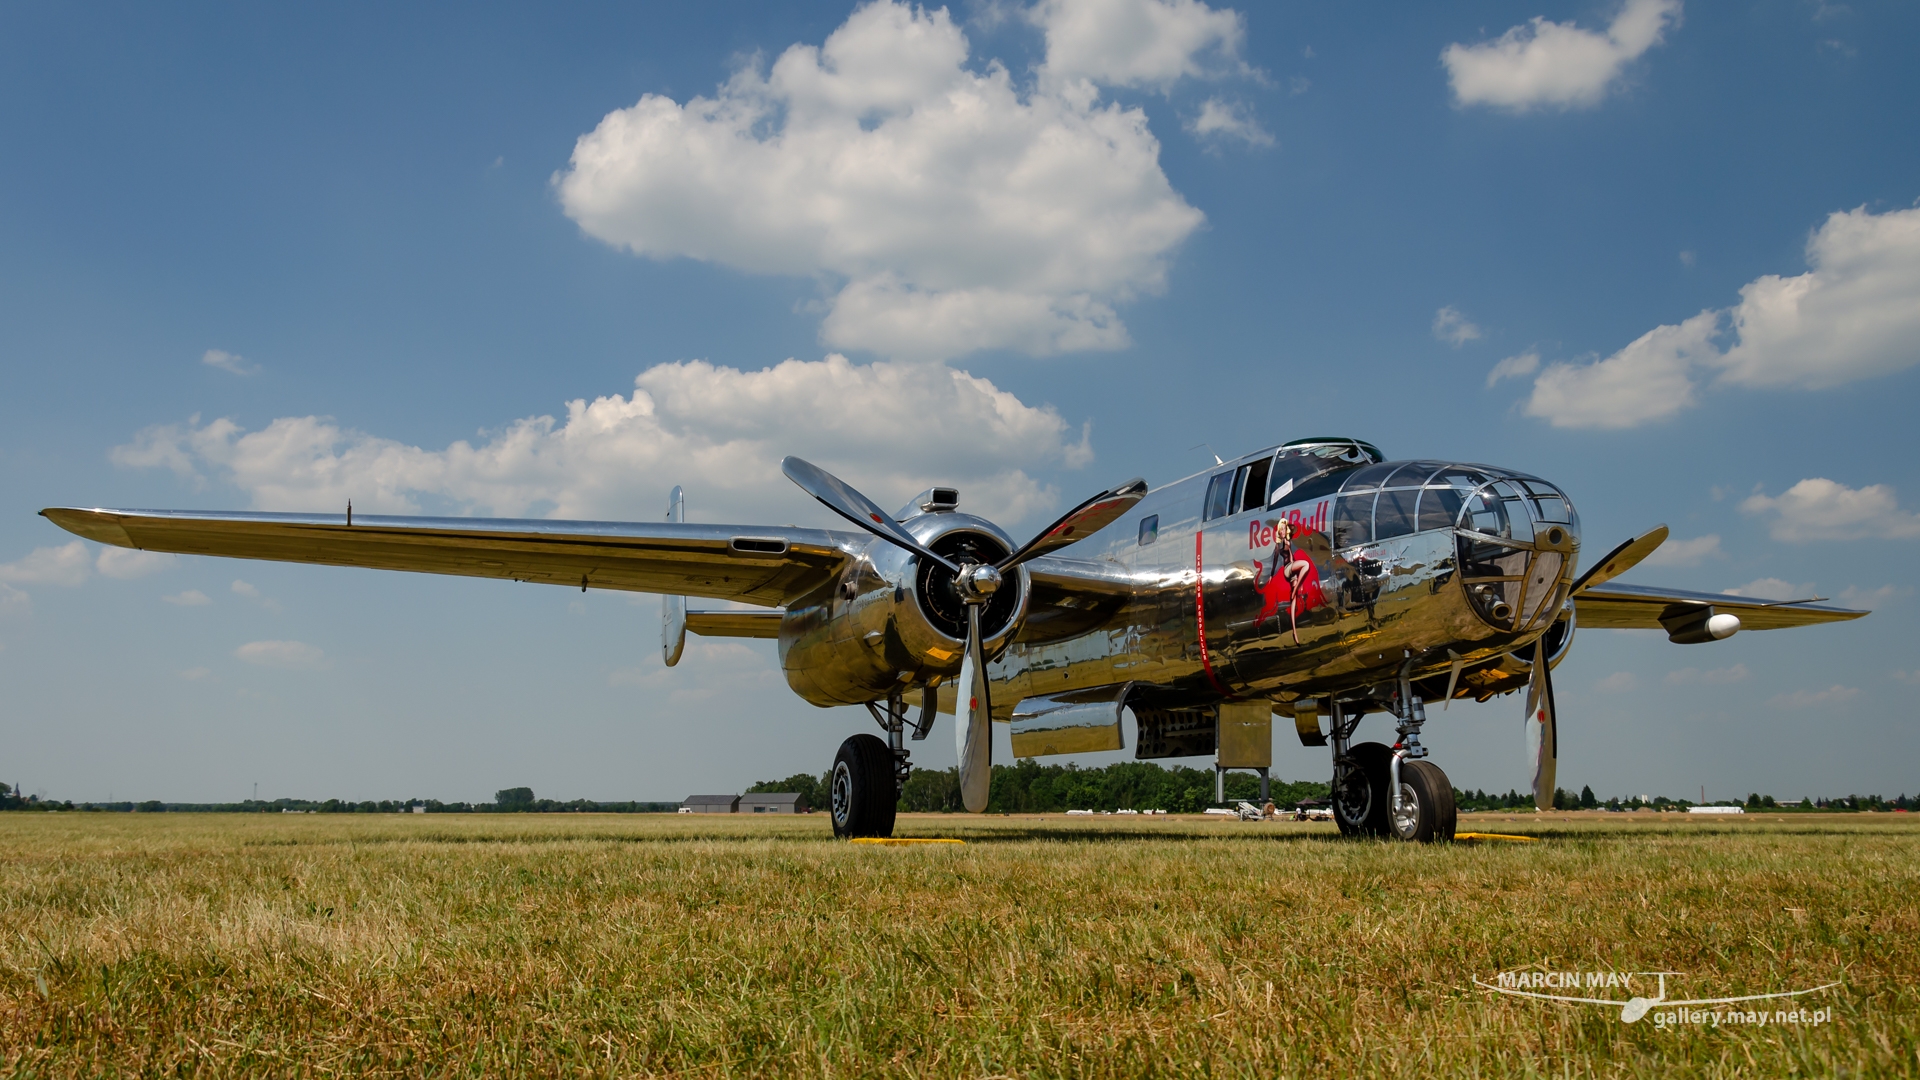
(894, 620)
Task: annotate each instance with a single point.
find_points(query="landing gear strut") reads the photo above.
(869, 775)
(1389, 791)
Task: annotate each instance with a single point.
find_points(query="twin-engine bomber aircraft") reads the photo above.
(1312, 579)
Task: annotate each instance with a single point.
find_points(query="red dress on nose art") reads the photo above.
(1291, 584)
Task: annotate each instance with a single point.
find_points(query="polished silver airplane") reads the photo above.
(1314, 579)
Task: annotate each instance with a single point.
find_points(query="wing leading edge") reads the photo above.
(1638, 607)
(769, 567)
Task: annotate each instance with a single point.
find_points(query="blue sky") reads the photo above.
(1668, 258)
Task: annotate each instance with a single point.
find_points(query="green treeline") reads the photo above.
(510, 801)
(1030, 787)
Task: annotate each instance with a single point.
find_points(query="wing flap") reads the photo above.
(1639, 607)
(719, 562)
(748, 624)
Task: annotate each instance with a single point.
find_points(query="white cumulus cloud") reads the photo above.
(1821, 509)
(1808, 699)
(1220, 120)
(129, 563)
(1645, 381)
(228, 362)
(1711, 677)
(67, 564)
(890, 429)
(946, 210)
(288, 655)
(1854, 596)
(1542, 63)
(1149, 43)
(1619, 682)
(1686, 552)
(1513, 367)
(1771, 588)
(1453, 327)
(1854, 314)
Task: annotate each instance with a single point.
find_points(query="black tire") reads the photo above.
(1426, 805)
(1359, 793)
(860, 793)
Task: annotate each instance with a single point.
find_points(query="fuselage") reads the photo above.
(1334, 583)
(1294, 571)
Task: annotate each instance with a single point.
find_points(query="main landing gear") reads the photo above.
(1366, 774)
(869, 776)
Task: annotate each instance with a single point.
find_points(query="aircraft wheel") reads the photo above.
(1359, 794)
(1426, 813)
(860, 789)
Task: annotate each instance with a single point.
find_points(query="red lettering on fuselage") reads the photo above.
(1262, 534)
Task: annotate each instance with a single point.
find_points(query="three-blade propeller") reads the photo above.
(1543, 718)
(975, 583)
(1543, 736)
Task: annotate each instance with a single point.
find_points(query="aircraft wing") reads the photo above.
(1638, 607)
(770, 567)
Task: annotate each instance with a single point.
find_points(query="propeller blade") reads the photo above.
(1621, 559)
(840, 497)
(1080, 522)
(1543, 739)
(972, 733)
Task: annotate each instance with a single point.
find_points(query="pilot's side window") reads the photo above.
(1219, 496)
(1149, 529)
(1253, 493)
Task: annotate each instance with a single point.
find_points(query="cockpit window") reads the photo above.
(1253, 493)
(1369, 477)
(1353, 520)
(1292, 468)
(1440, 507)
(1413, 473)
(1219, 496)
(1393, 512)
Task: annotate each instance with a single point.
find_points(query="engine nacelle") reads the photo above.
(894, 620)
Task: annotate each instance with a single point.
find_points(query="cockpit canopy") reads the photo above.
(1265, 481)
(1517, 534)
(1389, 499)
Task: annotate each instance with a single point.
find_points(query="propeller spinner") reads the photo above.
(975, 583)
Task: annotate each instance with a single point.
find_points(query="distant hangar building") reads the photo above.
(760, 802)
(773, 802)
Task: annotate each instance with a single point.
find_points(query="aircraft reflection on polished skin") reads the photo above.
(1310, 580)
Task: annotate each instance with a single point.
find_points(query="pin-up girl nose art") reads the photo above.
(1290, 583)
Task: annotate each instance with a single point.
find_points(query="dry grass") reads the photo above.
(229, 945)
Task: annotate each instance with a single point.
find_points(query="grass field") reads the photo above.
(716, 946)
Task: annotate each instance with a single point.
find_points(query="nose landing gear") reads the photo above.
(1366, 775)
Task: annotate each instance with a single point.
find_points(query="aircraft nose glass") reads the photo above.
(1516, 541)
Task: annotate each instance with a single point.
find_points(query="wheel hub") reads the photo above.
(1406, 816)
(842, 794)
